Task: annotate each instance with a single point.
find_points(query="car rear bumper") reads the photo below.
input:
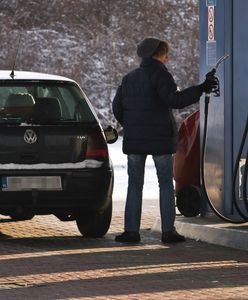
(89, 189)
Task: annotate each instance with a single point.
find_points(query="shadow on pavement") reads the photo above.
(63, 266)
(74, 267)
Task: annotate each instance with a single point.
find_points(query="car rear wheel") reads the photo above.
(21, 214)
(94, 224)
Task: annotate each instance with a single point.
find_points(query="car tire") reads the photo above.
(94, 224)
(21, 215)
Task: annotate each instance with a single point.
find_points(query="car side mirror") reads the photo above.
(111, 134)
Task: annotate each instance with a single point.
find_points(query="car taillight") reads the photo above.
(96, 147)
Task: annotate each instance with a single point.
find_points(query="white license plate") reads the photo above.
(27, 183)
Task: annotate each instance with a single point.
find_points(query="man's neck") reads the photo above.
(158, 58)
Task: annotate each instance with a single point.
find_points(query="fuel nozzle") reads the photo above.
(220, 61)
(211, 75)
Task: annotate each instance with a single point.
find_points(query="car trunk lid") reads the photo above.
(44, 144)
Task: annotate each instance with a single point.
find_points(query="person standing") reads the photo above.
(143, 106)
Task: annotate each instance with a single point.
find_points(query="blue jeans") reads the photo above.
(136, 169)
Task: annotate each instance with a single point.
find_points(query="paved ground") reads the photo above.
(47, 259)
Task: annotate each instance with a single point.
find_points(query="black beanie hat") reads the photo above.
(147, 47)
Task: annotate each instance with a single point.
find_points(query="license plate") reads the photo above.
(27, 183)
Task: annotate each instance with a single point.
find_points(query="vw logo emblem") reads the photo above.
(30, 136)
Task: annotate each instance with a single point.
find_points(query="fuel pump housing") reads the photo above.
(223, 29)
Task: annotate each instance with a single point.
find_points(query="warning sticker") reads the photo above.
(210, 23)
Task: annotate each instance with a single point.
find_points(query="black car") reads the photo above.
(53, 153)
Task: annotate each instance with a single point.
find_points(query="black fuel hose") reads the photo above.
(203, 185)
(244, 177)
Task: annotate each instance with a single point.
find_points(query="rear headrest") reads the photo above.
(19, 100)
(47, 108)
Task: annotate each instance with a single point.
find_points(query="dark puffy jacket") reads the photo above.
(142, 105)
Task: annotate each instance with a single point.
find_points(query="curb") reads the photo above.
(210, 231)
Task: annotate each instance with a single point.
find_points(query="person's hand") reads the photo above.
(210, 83)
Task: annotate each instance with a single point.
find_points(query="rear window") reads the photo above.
(43, 102)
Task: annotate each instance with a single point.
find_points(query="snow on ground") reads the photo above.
(151, 190)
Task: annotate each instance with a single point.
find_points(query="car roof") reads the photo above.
(24, 75)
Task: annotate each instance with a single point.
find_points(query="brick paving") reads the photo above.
(47, 259)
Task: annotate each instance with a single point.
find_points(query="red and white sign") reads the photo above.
(210, 23)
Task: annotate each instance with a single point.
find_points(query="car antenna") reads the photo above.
(12, 74)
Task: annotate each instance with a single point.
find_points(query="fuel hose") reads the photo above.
(202, 165)
(244, 218)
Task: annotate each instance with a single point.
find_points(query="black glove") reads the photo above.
(210, 84)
